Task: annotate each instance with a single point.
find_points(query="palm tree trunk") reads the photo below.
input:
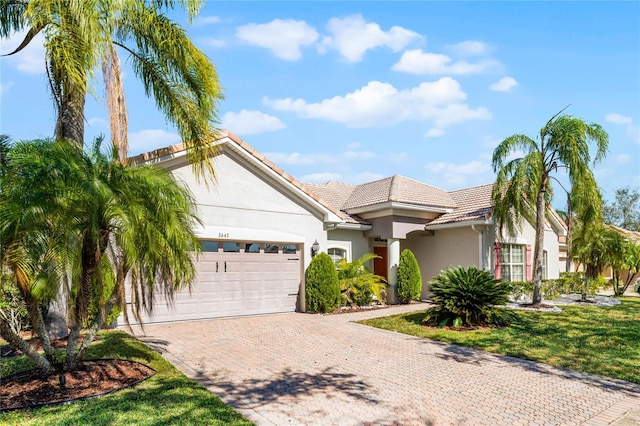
(569, 234)
(19, 343)
(538, 252)
(70, 124)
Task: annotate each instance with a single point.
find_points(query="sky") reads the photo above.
(358, 91)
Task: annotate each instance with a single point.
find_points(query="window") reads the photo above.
(270, 248)
(337, 254)
(231, 247)
(252, 248)
(289, 248)
(545, 273)
(210, 246)
(512, 262)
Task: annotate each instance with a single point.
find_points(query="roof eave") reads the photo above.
(398, 205)
(460, 224)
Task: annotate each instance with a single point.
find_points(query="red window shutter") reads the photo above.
(528, 262)
(497, 261)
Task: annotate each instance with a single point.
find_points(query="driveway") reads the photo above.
(294, 369)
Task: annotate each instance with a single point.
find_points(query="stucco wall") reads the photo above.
(446, 247)
(357, 244)
(243, 205)
(551, 245)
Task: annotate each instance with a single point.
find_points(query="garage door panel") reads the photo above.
(254, 283)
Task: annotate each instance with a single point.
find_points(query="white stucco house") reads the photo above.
(260, 225)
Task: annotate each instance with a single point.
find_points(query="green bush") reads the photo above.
(409, 279)
(568, 283)
(467, 296)
(359, 284)
(13, 310)
(520, 289)
(322, 290)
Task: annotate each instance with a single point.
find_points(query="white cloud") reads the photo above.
(456, 175)
(29, 60)
(321, 177)
(505, 84)
(284, 38)
(359, 155)
(248, 122)
(633, 131)
(622, 158)
(364, 177)
(150, 139)
(419, 62)
(5, 87)
(96, 120)
(352, 36)
(434, 133)
(469, 48)
(206, 20)
(295, 158)
(398, 157)
(618, 118)
(378, 104)
(211, 42)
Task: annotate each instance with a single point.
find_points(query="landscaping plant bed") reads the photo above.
(28, 389)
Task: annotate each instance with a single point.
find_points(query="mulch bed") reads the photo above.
(537, 305)
(29, 389)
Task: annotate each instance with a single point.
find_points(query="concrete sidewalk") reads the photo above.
(303, 369)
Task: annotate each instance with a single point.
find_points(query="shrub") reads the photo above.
(322, 290)
(13, 310)
(523, 289)
(359, 284)
(467, 296)
(568, 283)
(409, 279)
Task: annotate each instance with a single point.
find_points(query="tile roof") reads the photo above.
(632, 235)
(174, 149)
(398, 189)
(336, 194)
(473, 204)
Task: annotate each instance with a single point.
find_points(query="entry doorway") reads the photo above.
(380, 264)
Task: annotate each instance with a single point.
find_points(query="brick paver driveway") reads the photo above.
(327, 370)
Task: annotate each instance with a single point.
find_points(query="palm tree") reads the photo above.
(90, 222)
(523, 185)
(83, 38)
(358, 284)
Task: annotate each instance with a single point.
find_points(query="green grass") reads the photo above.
(168, 397)
(591, 339)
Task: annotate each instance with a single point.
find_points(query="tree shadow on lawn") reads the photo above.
(288, 383)
(464, 354)
(157, 401)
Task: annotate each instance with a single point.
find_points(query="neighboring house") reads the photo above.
(633, 236)
(260, 225)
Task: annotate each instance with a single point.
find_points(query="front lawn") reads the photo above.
(168, 397)
(591, 339)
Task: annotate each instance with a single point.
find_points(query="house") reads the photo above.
(260, 225)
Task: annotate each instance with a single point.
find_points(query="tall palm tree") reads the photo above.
(83, 38)
(88, 221)
(523, 187)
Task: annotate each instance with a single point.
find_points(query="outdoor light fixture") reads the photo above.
(315, 248)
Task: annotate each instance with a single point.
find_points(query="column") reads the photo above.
(393, 253)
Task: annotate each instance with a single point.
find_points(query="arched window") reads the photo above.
(337, 254)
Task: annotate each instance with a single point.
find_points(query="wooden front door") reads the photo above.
(380, 265)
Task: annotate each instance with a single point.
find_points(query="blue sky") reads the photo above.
(356, 91)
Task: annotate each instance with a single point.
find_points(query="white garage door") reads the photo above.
(236, 278)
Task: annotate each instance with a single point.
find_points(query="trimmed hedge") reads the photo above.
(409, 278)
(322, 290)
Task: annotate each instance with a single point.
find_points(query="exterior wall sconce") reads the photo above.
(315, 248)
